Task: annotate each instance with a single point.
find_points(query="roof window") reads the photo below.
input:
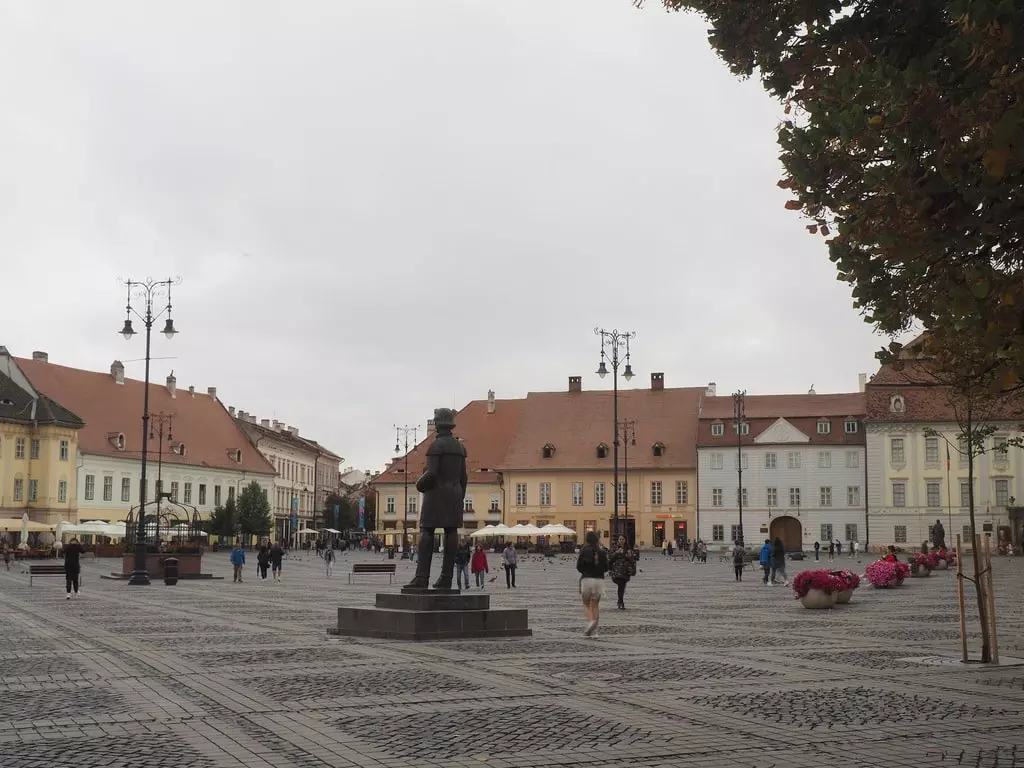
(602, 451)
(548, 451)
(658, 449)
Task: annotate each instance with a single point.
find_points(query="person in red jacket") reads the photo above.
(478, 565)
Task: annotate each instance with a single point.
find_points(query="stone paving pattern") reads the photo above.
(700, 670)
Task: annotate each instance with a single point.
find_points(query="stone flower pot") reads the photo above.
(818, 598)
(920, 573)
(842, 598)
(942, 565)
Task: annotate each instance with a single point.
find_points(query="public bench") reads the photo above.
(45, 570)
(373, 569)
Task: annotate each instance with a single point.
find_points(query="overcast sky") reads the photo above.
(379, 208)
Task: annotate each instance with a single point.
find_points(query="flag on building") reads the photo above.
(947, 457)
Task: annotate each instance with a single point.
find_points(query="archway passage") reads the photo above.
(790, 531)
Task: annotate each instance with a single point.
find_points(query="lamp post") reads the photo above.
(628, 439)
(403, 433)
(146, 291)
(157, 422)
(739, 415)
(611, 342)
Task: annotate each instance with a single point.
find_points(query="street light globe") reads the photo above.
(628, 373)
(169, 329)
(128, 331)
(602, 370)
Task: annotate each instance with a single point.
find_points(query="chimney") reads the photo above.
(657, 382)
(490, 401)
(265, 423)
(862, 382)
(430, 427)
(212, 392)
(276, 425)
(172, 384)
(293, 430)
(811, 390)
(191, 391)
(241, 416)
(251, 418)
(117, 371)
(41, 357)
(711, 390)
(575, 383)
(231, 410)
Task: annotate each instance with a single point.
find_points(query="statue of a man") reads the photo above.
(939, 535)
(443, 486)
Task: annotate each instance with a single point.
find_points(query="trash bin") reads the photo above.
(171, 571)
(391, 553)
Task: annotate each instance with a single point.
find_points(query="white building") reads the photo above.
(202, 458)
(803, 467)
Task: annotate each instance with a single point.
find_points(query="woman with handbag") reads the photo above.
(622, 565)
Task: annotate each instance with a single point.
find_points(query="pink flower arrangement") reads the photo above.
(848, 579)
(925, 560)
(822, 579)
(883, 573)
(947, 555)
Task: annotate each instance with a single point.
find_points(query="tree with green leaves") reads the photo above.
(348, 512)
(254, 515)
(224, 520)
(903, 144)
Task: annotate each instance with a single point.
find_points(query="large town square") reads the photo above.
(523, 385)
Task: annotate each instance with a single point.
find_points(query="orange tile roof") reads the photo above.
(108, 408)
(486, 436)
(785, 406)
(575, 423)
(925, 400)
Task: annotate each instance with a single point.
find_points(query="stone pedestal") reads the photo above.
(422, 615)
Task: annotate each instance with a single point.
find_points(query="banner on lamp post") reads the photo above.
(337, 514)
(362, 513)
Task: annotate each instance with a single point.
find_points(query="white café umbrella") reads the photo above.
(305, 532)
(487, 530)
(23, 543)
(525, 530)
(501, 530)
(557, 530)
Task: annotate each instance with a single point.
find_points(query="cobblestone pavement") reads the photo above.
(700, 670)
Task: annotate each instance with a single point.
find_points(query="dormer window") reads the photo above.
(897, 404)
(743, 428)
(602, 451)
(116, 439)
(548, 451)
(718, 429)
(236, 455)
(851, 426)
(658, 449)
(179, 449)
(824, 426)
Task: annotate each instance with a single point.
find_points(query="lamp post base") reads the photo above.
(139, 577)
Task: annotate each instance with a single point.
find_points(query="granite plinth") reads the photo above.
(425, 615)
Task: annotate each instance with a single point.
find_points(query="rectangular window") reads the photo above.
(743, 429)
(966, 533)
(598, 494)
(656, 493)
(931, 450)
(794, 460)
(850, 426)
(717, 430)
(961, 447)
(682, 492)
(999, 446)
(231, 492)
(389, 505)
(202, 494)
(965, 495)
(495, 503)
(520, 494)
(826, 495)
(716, 498)
(824, 459)
(734, 533)
(33, 490)
(414, 503)
(1002, 492)
(899, 534)
(545, 494)
(216, 495)
(853, 495)
(896, 450)
(794, 497)
(126, 489)
(718, 533)
(852, 459)
(570, 524)
(716, 461)
(467, 504)
(740, 462)
(577, 494)
(90, 487)
(934, 494)
(19, 488)
(108, 488)
(770, 460)
(899, 494)
(851, 532)
(62, 491)
(64, 446)
(826, 531)
(742, 494)
(34, 449)
(622, 493)
(773, 497)
(19, 448)
(824, 427)
(188, 493)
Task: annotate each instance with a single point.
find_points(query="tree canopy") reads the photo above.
(224, 520)
(903, 142)
(348, 512)
(254, 516)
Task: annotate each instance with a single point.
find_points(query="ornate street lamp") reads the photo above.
(400, 433)
(611, 342)
(739, 416)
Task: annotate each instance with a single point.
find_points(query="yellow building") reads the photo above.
(38, 451)
(560, 466)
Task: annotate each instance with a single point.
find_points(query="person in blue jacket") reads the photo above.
(766, 558)
(238, 560)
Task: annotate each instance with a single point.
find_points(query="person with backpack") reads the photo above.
(739, 555)
(592, 565)
(766, 559)
(622, 565)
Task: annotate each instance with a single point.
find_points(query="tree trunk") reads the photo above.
(986, 640)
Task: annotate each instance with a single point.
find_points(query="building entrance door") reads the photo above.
(626, 527)
(790, 531)
(658, 534)
(680, 533)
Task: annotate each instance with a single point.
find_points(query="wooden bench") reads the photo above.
(373, 568)
(45, 570)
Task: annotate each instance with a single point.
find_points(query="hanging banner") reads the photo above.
(337, 515)
(362, 513)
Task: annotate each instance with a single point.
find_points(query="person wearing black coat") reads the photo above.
(778, 562)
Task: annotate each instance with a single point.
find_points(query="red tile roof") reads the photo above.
(575, 423)
(802, 411)
(200, 422)
(925, 400)
(486, 436)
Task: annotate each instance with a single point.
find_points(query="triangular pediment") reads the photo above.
(782, 432)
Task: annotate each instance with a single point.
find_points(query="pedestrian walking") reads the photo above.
(263, 561)
(463, 554)
(779, 562)
(72, 566)
(238, 560)
(329, 560)
(839, 548)
(276, 557)
(854, 548)
(817, 549)
(592, 565)
(765, 559)
(622, 565)
(739, 555)
(478, 565)
(831, 550)
(7, 556)
(510, 561)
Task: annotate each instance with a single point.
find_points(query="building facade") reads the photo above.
(560, 466)
(803, 470)
(38, 450)
(195, 451)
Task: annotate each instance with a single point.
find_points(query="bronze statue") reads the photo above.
(443, 485)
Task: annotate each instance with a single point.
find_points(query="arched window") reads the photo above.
(602, 451)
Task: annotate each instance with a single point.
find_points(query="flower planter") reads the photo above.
(844, 597)
(920, 573)
(819, 598)
(941, 565)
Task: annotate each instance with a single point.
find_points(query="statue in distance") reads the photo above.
(443, 485)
